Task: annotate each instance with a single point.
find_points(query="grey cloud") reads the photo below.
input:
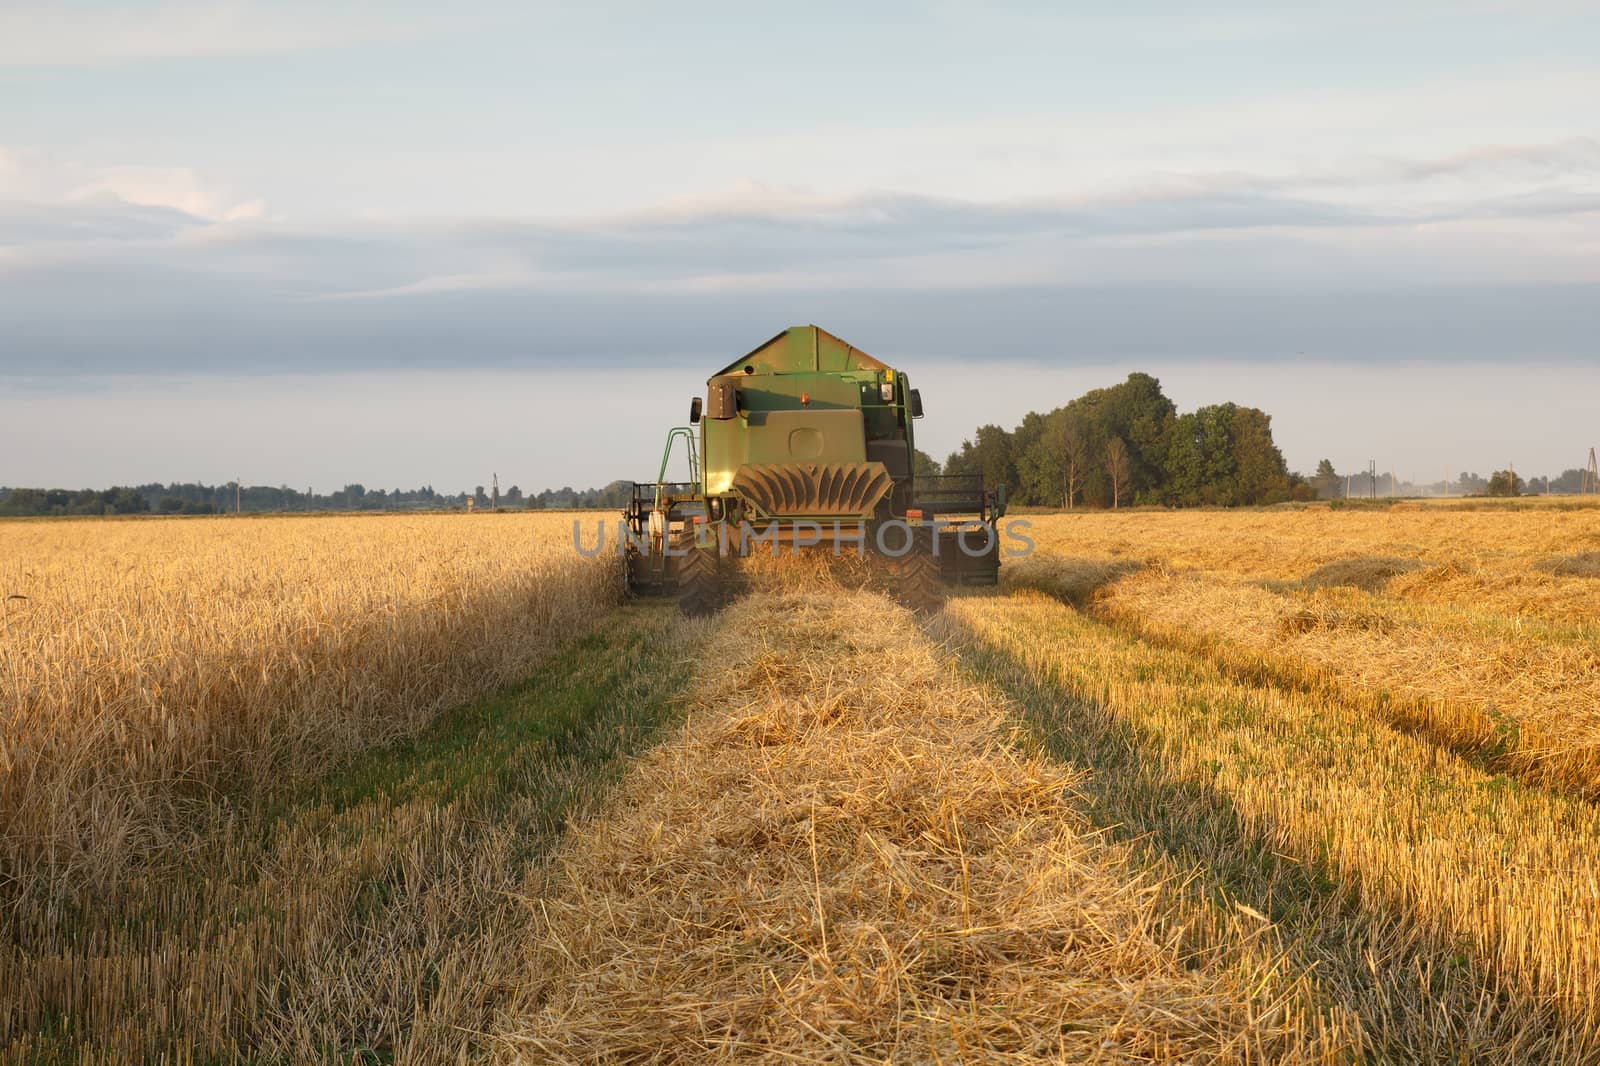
(1044, 324)
(157, 292)
(287, 261)
(1559, 158)
(1537, 203)
(103, 218)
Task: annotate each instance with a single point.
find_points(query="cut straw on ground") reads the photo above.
(846, 857)
(1454, 625)
(1454, 912)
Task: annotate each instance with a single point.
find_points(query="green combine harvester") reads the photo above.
(807, 443)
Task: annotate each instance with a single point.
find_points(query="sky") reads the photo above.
(398, 244)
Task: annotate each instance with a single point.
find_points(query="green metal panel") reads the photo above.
(802, 349)
(805, 396)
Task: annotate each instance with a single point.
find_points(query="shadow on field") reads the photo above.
(1072, 580)
(1420, 996)
(1583, 564)
(201, 718)
(371, 914)
(1369, 573)
(1476, 733)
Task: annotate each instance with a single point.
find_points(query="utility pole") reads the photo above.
(238, 498)
(1372, 479)
(1591, 477)
(494, 499)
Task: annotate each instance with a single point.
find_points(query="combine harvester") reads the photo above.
(807, 442)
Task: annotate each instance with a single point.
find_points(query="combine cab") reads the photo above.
(807, 442)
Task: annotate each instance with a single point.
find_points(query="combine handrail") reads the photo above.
(958, 494)
(687, 433)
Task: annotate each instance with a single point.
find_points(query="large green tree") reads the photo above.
(1224, 455)
(1052, 468)
(987, 455)
(1072, 439)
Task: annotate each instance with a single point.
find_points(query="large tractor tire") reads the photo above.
(914, 577)
(702, 579)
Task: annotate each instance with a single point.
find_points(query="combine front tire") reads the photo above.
(914, 577)
(700, 581)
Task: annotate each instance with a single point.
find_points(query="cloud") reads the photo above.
(144, 269)
(1567, 157)
(188, 323)
(59, 185)
(62, 35)
(98, 219)
(179, 188)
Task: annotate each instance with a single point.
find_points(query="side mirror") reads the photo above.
(694, 411)
(916, 404)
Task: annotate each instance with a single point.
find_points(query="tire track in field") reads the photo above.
(1516, 699)
(1451, 911)
(845, 856)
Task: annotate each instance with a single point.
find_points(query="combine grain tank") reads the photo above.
(807, 441)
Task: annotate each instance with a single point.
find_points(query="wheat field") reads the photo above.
(1293, 785)
(166, 682)
(147, 663)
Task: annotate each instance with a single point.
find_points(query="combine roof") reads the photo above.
(803, 350)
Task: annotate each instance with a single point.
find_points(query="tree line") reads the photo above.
(1332, 485)
(1129, 444)
(1111, 447)
(194, 498)
(198, 498)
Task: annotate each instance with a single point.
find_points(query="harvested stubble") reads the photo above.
(1456, 913)
(845, 857)
(146, 666)
(1493, 560)
(1530, 703)
(1440, 647)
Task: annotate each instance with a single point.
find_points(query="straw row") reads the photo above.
(846, 857)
